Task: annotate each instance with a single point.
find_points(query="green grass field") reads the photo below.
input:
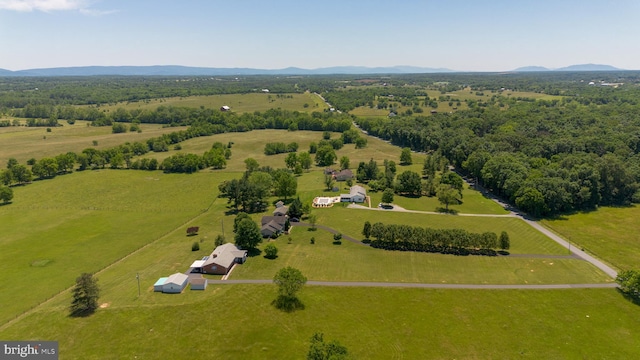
(56, 229)
(24, 143)
(121, 223)
(444, 107)
(353, 262)
(240, 103)
(231, 321)
(609, 233)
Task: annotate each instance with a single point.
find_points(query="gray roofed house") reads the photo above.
(343, 175)
(281, 211)
(272, 225)
(222, 259)
(356, 194)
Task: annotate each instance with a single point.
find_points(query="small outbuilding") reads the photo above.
(173, 284)
(158, 285)
(225, 108)
(198, 284)
(281, 211)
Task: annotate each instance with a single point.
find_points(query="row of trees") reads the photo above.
(445, 241)
(280, 148)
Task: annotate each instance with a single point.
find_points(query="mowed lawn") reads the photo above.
(24, 143)
(355, 262)
(239, 103)
(610, 233)
(57, 229)
(524, 239)
(238, 321)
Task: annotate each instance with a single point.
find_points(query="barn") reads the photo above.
(174, 284)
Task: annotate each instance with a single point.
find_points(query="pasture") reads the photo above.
(610, 233)
(239, 103)
(24, 143)
(83, 222)
(231, 321)
(449, 102)
(325, 261)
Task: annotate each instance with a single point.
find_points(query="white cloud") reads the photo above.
(52, 5)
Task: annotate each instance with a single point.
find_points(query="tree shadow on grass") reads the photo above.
(6, 203)
(254, 252)
(633, 299)
(447, 211)
(270, 257)
(81, 313)
(287, 304)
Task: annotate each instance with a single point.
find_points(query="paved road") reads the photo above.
(427, 286)
(401, 209)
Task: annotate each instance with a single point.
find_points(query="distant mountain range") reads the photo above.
(581, 67)
(173, 70)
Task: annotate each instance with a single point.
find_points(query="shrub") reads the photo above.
(195, 246)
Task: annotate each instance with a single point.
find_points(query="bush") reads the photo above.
(313, 240)
(195, 246)
(270, 251)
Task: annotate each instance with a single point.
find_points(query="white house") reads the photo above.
(356, 194)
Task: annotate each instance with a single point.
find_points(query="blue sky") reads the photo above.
(271, 34)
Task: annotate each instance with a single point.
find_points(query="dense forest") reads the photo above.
(575, 151)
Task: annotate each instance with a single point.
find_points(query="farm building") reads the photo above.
(272, 225)
(225, 108)
(343, 175)
(158, 285)
(356, 194)
(281, 211)
(198, 283)
(222, 259)
(173, 284)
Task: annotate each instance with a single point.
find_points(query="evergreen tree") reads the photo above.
(85, 296)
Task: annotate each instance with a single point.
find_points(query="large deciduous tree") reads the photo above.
(285, 184)
(629, 282)
(289, 281)
(405, 157)
(325, 156)
(6, 194)
(447, 195)
(248, 234)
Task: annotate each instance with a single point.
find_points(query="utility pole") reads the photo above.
(138, 278)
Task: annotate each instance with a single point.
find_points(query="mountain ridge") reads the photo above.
(578, 67)
(179, 70)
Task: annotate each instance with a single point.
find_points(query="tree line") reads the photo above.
(444, 241)
(546, 157)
